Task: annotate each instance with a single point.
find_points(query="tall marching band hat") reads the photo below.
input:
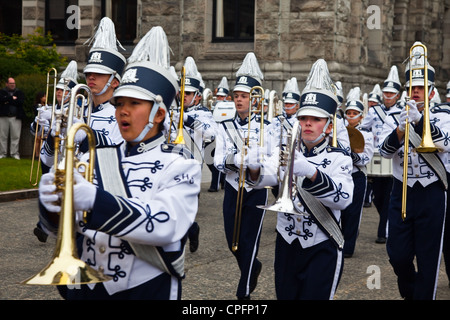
(104, 58)
(249, 74)
(418, 71)
(376, 94)
(448, 90)
(69, 77)
(147, 75)
(354, 101)
(392, 83)
(223, 89)
(339, 92)
(318, 98)
(291, 93)
(193, 80)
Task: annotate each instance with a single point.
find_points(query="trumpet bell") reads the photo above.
(281, 205)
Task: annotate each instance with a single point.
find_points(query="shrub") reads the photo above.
(34, 53)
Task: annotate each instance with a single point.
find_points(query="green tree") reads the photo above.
(28, 59)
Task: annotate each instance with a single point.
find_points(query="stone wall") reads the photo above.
(290, 35)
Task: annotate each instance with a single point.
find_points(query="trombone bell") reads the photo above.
(66, 269)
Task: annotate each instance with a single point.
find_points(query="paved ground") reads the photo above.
(211, 271)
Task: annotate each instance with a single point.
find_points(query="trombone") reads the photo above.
(256, 92)
(34, 174)
(66, 268)
(180, 137)
(427, 145)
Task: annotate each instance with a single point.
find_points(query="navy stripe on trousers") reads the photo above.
(250, 231)
(418, 236)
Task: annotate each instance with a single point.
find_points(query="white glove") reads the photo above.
(412, 115)
(302, 167)
(49, 199)
(176, 117)
(44, 114)
(84, 193)
(251, 159)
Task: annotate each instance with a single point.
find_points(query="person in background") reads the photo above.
(11, 116)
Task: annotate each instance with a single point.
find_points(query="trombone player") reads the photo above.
(229, 151)
(416, 217)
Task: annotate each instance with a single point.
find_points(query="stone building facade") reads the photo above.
(360, 40)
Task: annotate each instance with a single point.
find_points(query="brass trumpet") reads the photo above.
(256, 93)
(284, 202)
(66, 268)
(427, 145)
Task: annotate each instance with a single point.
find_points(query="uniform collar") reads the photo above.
(144, 146)
(243, 122)
(314, 150)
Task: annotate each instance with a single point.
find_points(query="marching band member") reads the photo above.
(223, 90)
(419, 235)
(361, 156)
(137, 212)
(103, 73)
(199, 126)
(373, 100)
(342, 137)
(308, 252)
(218, 178)
(229, 145)
(67, 81)
(374, 120)
(375, 96)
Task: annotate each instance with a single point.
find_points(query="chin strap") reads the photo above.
(149, 125)
(354, 117)
(191, 103)
(107, 85)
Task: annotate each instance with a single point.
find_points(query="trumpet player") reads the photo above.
(229, 151)
(137, 213)
(309, 244)
(362, 148)
(418, 234)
